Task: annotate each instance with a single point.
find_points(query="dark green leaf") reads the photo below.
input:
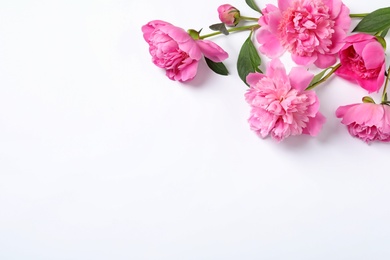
(384, 33)
(220, 27)
(253, 5)
(217, 67)
(248, 59)
(377, 21)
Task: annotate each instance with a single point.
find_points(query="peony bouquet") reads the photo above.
(314, 33)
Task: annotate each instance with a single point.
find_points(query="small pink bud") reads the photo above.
(229, 15)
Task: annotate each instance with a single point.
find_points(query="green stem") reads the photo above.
(249, 18)
(324, 78)
(384, 96)
(236, 29)
(358, 15)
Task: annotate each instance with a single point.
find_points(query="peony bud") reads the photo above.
(229, 15)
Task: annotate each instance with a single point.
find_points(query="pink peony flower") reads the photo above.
(281, 106)
(363, 61)
(174, 50)
(229, 15)
(366, 121)
(311, 30)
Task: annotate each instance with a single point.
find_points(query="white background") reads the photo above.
(103, 157)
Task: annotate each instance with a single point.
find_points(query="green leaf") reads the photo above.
(220, 27)
(384, 33)
(317, 77)
(248, 60)
(217, 67)
(377, 21)
(253, 5)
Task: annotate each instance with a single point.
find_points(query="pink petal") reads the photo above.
(338, 40)
(315, 124)
(371, 84)
(276, 70)
(253, 78)
(270, 44)
(212, 50)
(300, 78)
(365, 113)
(274, 21)
(324, 61)
(185, 74)
(345, 72)
(304, 60)
(343, 20)
(184, 40)
(373, 55)
(284, 4)
(342, 110)
(359, 37)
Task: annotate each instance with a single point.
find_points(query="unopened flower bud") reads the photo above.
(229, 15)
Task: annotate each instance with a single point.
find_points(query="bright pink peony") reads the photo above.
(366, 121)
(363, 61)
(174, 50)
(311, 30)
(281, 106)
(229, 15)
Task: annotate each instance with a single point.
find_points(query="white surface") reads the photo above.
(103, 157)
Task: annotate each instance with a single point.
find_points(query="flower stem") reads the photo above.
(236, 29)
(358, 15)
(249, 18)
(384, 93)
(322, 80)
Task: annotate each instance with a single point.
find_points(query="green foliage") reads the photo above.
(253, 5)
(375, 22)
(248, 59)
(217, 67)
(220, 27)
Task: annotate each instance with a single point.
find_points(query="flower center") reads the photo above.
(358, 66)
(306, 27)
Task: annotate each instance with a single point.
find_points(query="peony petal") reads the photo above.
(254, 78)
(346, 73)
(269, 43)
(304, 60)
(373, 55)
(212, 50)
(343, 20)
(367, 114)
(314, 125)
(276, 70)
(342, 110)
(284, 4)
(184, 40)
(300, 78)
(337, 40)
(386, 120)
(188, 72)
(371, 84)
(359, 37)
(274, 21)
(324, 61)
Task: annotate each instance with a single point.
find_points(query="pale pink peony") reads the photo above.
(363, 61)
(311, 30)
(366, 121)
(229, 15)
(174, 50)
(281, 106)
